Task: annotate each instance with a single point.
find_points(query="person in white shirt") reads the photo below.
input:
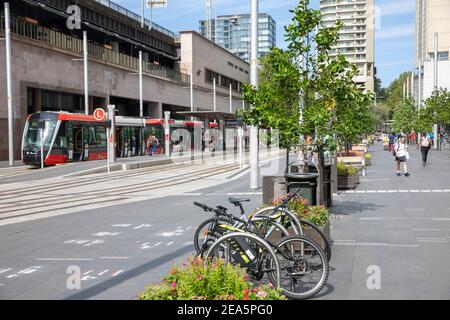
(425, 145)
(401, 155)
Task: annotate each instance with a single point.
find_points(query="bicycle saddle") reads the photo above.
(237, 201)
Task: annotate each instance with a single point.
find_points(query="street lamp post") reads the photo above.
(9, 85)
(254, 174)
(436, 83)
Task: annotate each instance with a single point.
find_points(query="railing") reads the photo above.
(135, 16)
(75, 45)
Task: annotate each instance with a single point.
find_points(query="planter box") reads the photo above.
(310, 233)
(347, 182)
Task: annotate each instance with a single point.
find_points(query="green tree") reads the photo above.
(325, 82)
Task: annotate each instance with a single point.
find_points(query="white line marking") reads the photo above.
(188, 243)
(103, 272)
(86, 273)
(118, 272)
(415, 191)
(415, 229)
(436, 190)
(403, 191)
(170, 243)
(157, 244)
(381, 191)
(432, 241)
(192, 194)
(414, 209)
(371, 191)
(349, 191)
(377, 244)
(441, 239)
(114, 258)
(344, 240)
(392, 191)
(425, 191)
(360, 191)
(102, 234)
(64, 259)
(441, 219)
(5, 270)
(371, 219)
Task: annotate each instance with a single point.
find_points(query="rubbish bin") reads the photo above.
(306, 182)
(327, 193)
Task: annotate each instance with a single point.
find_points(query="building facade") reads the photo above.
(47, 65)
(432, 17)
(232, 32)
(357, 36)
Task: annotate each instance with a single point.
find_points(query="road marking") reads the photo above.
(114, 258)
(371, 191)
(122, 225)
(415, 191)
(377, 244)
(413, 209)
(157, 244)
(170, 243)
(436, 190)
(425, 191)
(441, 219)
(86, 273)
(433, 241)
(403, 191)
(5, 270)
(381, 191)
(118, 272)
(103, 272)
(415, 229)
(360, 191)
(440, 239)
(371, 219)
(191, 194)
(145, 225)
(103, 234)
(392, 191)
(65, 259)
(188, 243)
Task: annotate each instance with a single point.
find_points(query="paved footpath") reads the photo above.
(399, 226)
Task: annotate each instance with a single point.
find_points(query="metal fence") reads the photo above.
(75, 45)
(135, 16)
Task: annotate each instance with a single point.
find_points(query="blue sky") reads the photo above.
(394, 34)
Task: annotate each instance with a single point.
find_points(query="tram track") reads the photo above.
(113, 197)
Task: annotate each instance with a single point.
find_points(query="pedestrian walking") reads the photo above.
(391, 141)
(412, 138)
(152, 144)
(401, 155)
(425, 146)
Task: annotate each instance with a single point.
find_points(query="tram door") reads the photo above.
(119, 139)
(75, 141)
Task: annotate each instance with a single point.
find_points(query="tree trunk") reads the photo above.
(320, 169)
(287, 160)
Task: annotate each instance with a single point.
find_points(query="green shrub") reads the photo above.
(317, 215)
(201, 279)
(345, 170)
(368, 156)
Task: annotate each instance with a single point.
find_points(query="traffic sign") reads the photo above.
(99, 114)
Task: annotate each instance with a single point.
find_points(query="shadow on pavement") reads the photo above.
(346, 208)
(105, 285)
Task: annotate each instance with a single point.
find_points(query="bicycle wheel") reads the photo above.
(297, 226)
(203, 231)
(324, 243)
(250, 252)
(287, 218)
(304, 267)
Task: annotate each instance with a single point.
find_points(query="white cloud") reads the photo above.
(395, 32)
(397, 7)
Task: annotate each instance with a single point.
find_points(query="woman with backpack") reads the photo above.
(425, 146)
(401, 155)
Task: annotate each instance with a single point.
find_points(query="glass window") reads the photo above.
(101, 136)
(32, 137)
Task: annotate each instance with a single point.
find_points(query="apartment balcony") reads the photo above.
(74, 46)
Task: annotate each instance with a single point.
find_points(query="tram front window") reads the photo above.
(33, 137)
